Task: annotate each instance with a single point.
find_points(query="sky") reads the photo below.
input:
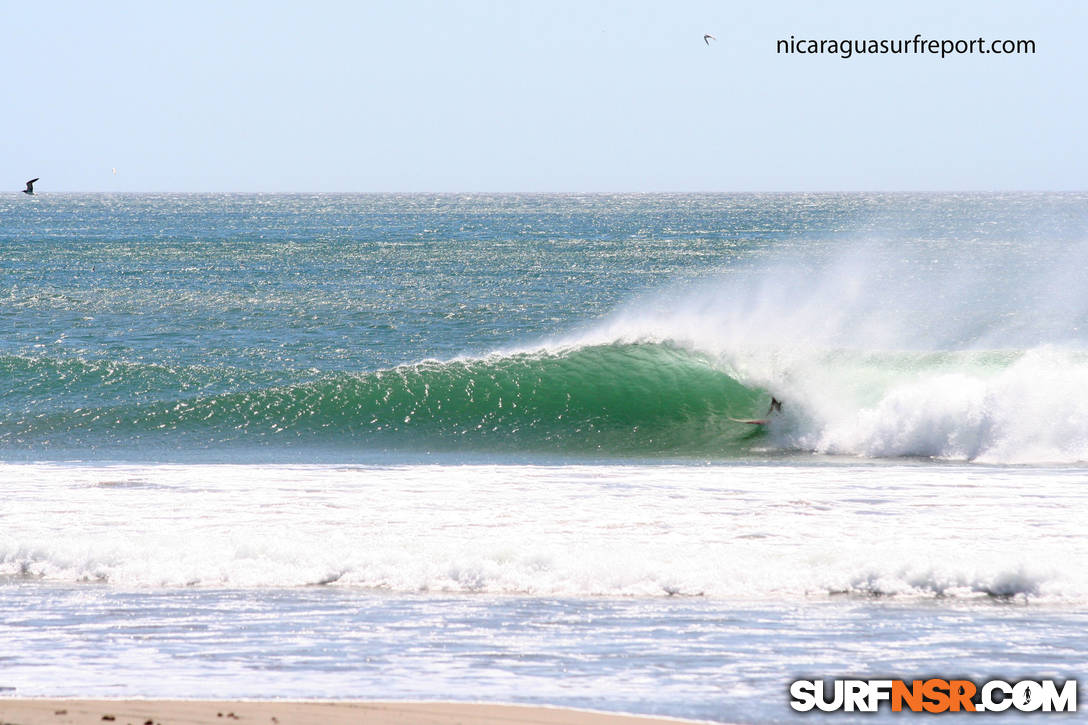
(556, 95)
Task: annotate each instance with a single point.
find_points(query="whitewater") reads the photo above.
(473, 446)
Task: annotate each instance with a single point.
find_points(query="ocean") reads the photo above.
(486, 447)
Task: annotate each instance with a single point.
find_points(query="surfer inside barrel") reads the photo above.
(775, 407)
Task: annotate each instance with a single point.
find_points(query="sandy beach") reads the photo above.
(222, 712)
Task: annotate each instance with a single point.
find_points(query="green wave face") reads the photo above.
(611, 399)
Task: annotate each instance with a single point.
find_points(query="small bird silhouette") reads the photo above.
(29, 187)
(707, 38)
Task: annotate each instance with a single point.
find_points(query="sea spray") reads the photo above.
(878, 355)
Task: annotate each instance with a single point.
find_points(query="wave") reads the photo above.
(628, 397)
(618, 398)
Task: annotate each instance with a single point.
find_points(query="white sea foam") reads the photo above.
(1035, 410)
(739, 531)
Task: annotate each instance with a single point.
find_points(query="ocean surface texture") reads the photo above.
(487, 447)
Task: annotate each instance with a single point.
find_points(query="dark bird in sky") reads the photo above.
(29, 187)
(707, 38)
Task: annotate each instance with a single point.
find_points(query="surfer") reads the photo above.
(775, 407)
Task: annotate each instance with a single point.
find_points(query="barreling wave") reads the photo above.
(610, 398)
(631, 397)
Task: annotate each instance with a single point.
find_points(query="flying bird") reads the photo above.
(29, 187)
(707, 38)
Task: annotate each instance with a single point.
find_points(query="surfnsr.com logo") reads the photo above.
(934, 695)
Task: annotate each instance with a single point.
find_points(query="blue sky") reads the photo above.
(536, 96)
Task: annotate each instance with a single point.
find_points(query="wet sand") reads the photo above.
(286, 712)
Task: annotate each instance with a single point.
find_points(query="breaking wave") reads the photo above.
(644, 397)
(616, 398)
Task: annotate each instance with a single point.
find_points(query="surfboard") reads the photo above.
(751, 421)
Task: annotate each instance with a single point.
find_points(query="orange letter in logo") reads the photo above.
(936, 691)
(961, 692)
(911, 695)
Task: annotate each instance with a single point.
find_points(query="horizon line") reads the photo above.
(574, 192)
